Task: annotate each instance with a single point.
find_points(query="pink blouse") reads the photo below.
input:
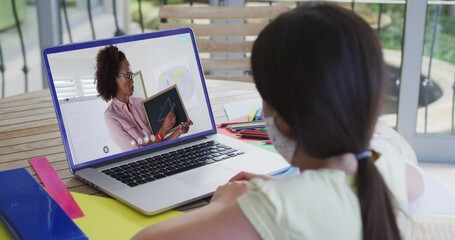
(129, 128)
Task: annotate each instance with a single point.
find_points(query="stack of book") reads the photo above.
(251, 130)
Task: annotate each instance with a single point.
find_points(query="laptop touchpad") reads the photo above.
(209, 177)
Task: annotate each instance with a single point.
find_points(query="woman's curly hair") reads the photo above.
(108, 63)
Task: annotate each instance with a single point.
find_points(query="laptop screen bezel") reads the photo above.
(112, 41)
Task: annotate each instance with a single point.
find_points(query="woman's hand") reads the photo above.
(183, 128)
(228, 193)
(169, 122)
(246, 176)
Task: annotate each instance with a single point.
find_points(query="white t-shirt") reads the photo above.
(322, 204)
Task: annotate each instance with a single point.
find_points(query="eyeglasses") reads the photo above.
(127, 75)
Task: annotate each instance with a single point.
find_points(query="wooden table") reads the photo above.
(28, 128)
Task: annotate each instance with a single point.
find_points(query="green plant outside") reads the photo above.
(149, 11)
(6, 13)
(391, 35)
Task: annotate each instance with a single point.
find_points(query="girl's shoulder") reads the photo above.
(392, 161)
(301, 204)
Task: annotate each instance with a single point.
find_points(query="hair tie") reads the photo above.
(363, 155)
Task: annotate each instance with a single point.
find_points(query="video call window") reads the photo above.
(97, 128)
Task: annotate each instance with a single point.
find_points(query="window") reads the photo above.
(425, 113)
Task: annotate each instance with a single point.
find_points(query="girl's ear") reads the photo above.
(267, 109)
(283, 126)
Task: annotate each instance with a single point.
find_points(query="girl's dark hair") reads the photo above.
(322, 69)
(108, 62)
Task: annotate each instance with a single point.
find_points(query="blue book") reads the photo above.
(28, 212)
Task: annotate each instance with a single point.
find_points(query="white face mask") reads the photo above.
(284, 145)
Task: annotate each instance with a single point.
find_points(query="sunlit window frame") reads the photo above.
(429, 147)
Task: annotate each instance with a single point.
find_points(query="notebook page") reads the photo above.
(433, 227)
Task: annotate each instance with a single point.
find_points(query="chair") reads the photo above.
(217, 39)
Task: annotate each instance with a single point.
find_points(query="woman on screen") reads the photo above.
(125, 117)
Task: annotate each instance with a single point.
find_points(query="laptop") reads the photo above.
(156, 177)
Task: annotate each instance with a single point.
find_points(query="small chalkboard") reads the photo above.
(160, 104)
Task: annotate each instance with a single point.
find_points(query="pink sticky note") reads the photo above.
(55, 187)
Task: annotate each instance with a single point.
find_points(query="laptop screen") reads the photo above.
(82, 76)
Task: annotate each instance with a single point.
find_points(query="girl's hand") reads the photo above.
(228, 193)
(246, 176)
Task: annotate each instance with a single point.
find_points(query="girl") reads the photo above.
(320, 73)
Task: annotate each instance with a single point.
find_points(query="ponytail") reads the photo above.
(376, 207)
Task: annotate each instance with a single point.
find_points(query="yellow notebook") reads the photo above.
(107, 218)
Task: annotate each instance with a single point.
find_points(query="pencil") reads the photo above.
(258, 115)
(252, 115)
(246, 126)
(243, 128)
(249, 124)
(231, 123)
(254, 132)
(253, 136)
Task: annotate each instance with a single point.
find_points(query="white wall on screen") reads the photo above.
(85, 125)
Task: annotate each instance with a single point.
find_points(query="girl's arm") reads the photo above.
(221, 219)
(414, 183)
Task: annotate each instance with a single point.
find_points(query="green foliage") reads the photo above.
(6, 13)
(149, 11)
(445, 36)
(391, 36)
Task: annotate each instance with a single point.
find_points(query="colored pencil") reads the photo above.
(252, 115)
(249, 133)
(260, 129)
(253, 136)
(253, 132)
(230, 123)
(247, 128)
(258, 115)
(259, 123)
(238, 130)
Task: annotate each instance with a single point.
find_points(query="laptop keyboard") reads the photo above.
(168, 164)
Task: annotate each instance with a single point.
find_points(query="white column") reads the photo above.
(414, 34)
(49, 27)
